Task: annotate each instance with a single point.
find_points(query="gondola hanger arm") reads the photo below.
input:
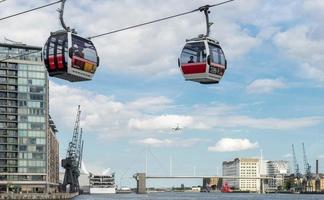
(61, 16)
(206, 11)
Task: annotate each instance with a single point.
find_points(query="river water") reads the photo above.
(201, 196)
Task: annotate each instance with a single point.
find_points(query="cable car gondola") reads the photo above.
(202, 59)
(69, 56)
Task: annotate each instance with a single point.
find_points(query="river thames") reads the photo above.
(201, 196)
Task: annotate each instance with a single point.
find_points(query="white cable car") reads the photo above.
(202, 59)
(69, 56)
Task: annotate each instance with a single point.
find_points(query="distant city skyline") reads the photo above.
(270, 97)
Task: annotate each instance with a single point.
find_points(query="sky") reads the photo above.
(270, 97)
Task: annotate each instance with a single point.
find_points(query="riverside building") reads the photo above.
(277, 169)
(29, 159)
(243, 167)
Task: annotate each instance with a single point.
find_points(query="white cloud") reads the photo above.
(108, 117)
(175, 142)
(158, 103)
(262, 86)
(230, 145)
(320, 156)
(304, 45)
(272, 123)
(288, 155)
(236, 45)
(155, 142)
(314, 8)
(101, 114)
(165, 122)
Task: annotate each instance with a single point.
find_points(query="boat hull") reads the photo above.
(102, 190)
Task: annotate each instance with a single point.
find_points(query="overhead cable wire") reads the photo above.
(161, 19)
(30, 10)
(111, 32)
(126, 28)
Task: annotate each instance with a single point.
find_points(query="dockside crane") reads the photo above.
(72, 162)
(297, 174)
(307, 179)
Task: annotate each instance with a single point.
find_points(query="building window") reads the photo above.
(36, 89)
(22, 81)
(40, 75)
(36, 126)
(31, 148)
(22, 133)
(22, 126)
(22, 88)
(22, 74)
(22, 147)
(22, 67)
(40, 148)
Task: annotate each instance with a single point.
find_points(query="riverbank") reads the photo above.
(38, 196)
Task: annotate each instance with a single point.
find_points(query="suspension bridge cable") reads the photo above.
(30, 10)
(131, 164)
(160, 164)
(158, 20)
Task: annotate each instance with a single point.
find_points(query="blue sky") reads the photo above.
(270, 97)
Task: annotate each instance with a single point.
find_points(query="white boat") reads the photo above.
(102, 184)
(124, 190)
(96, 190)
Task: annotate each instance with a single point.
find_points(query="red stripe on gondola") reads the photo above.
(51, 62)
(60, 61)
(83, 60)
(79, 64)
(193, 68)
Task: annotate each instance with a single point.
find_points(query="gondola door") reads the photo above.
(83, 58)
(216, 62)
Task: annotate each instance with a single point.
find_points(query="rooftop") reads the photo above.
(20, 45)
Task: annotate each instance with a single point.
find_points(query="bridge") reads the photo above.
(200, 177)
(141, 180)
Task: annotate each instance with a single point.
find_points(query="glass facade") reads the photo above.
(23, 115)
(31, 116)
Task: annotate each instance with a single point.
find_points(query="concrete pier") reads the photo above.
(39, 196)
(141, 183)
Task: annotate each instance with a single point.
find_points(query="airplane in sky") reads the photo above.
(177, 128)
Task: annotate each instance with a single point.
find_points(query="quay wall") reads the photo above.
(36, 196)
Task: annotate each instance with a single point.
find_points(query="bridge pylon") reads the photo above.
(141, 183)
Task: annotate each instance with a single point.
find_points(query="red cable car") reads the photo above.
(70, 57)
(202, 59)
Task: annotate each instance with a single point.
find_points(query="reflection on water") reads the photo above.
(201, 196)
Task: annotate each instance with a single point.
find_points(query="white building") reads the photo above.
(243, 167)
